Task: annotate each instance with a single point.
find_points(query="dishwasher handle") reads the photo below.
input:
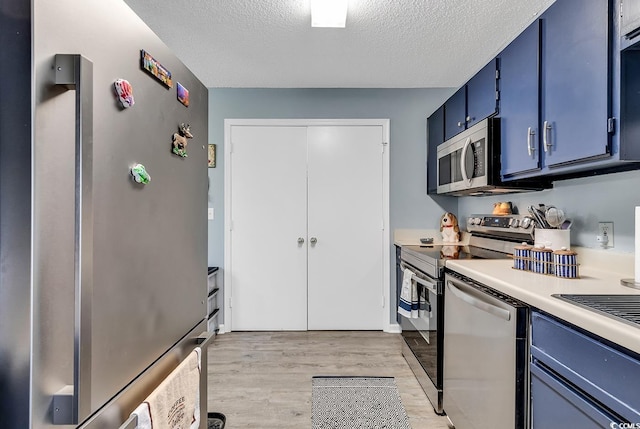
(477, 302)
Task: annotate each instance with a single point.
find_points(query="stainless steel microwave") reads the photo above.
(469, 163)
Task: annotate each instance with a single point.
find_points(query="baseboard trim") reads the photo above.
(393, 328)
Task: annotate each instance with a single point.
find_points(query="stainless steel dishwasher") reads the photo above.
(485, 356)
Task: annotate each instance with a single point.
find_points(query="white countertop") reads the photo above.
(536, 290)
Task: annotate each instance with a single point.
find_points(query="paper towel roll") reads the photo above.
(637, 246)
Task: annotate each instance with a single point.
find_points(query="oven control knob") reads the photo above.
(476, 221)
(515, 223)
(526, 222)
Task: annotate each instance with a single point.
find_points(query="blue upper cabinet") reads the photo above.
(473, 102)
(455, 110)
(435, 137)
(482, 94)
(519, 103)
(575, 82)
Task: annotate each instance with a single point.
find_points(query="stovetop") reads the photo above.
(625, 308)
(491, 237)
(431, 259)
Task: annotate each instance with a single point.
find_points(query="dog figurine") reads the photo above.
(449, 228)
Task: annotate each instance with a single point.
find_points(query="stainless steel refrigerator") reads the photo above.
(102, 279)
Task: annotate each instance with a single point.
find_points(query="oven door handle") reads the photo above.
(478, 303)
(431, 286)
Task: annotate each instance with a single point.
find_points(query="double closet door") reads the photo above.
(306, 227)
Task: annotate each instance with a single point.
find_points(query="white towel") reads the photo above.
(409, 304)
(175, 403)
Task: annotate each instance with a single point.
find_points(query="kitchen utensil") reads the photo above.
(554, 216)
(538, 215)
(566, 224)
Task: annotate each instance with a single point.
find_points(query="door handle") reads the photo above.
(313, 240)
(300, 240)
(478, 303)
(72, 403)
(545, 136)
(530, 147)
(463, 157)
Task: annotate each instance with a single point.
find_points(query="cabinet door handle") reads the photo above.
(460, 124)
(530, 147)
(545, 136)
(313, 240)
(300, 240)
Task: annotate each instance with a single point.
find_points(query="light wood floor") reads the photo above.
(263, 379)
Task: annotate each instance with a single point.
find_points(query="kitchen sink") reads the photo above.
(625, 308)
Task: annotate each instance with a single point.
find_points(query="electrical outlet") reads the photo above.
(605, 234)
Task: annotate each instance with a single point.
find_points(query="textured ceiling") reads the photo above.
(386, 44)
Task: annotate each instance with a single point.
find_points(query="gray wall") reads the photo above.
(407, 110)
(585, 201)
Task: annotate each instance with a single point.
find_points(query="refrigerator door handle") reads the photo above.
(72, 403)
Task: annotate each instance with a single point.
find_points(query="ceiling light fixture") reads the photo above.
(329, 13)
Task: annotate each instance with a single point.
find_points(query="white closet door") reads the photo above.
(268, 217)
(345, 193)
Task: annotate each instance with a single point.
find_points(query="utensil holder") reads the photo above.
(554, 239)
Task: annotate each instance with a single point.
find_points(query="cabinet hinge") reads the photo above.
(497, 74)
(497, 95)
(611, 125)
(230, 147)
(384, 144)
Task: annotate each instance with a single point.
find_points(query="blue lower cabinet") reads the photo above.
(556, 405)
(578, 379)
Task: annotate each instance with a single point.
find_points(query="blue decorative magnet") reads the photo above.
(125, 92)
(140, 174)
(180, 140)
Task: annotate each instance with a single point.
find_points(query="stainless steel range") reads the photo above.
(492, 237)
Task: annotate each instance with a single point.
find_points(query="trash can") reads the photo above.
(216, 420)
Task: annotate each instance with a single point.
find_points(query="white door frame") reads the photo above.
(226, 326)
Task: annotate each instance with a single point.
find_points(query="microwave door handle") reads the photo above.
(478, 303)
(463, 157)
